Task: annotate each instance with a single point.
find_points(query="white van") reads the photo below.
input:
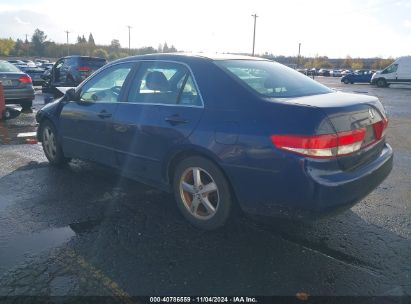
(398, 72)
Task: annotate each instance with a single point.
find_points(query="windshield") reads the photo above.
(8, 67)
(272, 79)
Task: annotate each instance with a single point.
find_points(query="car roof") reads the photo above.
(86, 57)
(191, 56)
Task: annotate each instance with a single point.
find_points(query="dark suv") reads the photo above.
(70, 71)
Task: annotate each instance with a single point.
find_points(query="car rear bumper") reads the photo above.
(300, 190)
(16, 95)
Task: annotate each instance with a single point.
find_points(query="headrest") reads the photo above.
(156, 81)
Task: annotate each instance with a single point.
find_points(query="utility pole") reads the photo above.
(26, 42)
(129, 49)
(299, 52)
(68, 48)
(255, 21)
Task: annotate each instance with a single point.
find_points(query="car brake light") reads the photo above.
(25, 79)
(83, 69)
(380, 128)
(321, 146)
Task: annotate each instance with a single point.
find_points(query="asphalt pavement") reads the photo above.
(83, 230)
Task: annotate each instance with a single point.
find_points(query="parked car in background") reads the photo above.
(398, 72)
(346, 72)
(303, 71)
(312, 72)
(223, 130)
(46, 65)
(335, 73)
(36, 75)
(40, 62)
(70, 71)
(29, 63)
(16, 61)
(18, 86)
(359, 76)
(324, 72)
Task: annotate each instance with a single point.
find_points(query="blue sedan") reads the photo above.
(360, 76)
(222, 131)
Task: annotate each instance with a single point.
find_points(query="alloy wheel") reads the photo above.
(199, 193)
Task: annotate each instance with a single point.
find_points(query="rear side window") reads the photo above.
(164, 83)
(92, 63)
(271, 79)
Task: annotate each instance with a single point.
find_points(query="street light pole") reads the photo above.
(68, 48)
(129, 48)
(255, 21)
(26, 42)
(299, 52)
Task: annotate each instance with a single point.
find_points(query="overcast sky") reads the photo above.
(333, 28)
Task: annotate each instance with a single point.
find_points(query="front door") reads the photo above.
(162, 109)
(87, 123)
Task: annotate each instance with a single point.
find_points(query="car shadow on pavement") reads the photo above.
(134, 237)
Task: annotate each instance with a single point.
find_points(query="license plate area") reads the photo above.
(6, 82)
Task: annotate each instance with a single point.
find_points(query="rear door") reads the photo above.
(87, 123)
(162, 109)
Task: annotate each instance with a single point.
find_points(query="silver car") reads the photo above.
(18, 86)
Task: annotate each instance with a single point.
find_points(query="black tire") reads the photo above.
(346, 81)
(209, 173)
(381, 83)
(55, 156)
(26, 105)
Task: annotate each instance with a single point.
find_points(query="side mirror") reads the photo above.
(71, 95)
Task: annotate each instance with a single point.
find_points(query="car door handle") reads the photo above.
(175, 120)
(104, 114)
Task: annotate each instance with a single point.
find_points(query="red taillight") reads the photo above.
(83, 69)
(25, 79)
(380, 128)
(321, 146)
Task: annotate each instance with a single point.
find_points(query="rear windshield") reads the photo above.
(93, 63)
(272, 79)
(8, 67)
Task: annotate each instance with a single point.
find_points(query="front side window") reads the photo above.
(106, 85)
(164, 83)
(271, 79)
(391, 69)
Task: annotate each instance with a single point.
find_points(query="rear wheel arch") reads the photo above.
(180, 155)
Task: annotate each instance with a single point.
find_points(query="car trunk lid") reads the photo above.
(11, 80)
(348, 112)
